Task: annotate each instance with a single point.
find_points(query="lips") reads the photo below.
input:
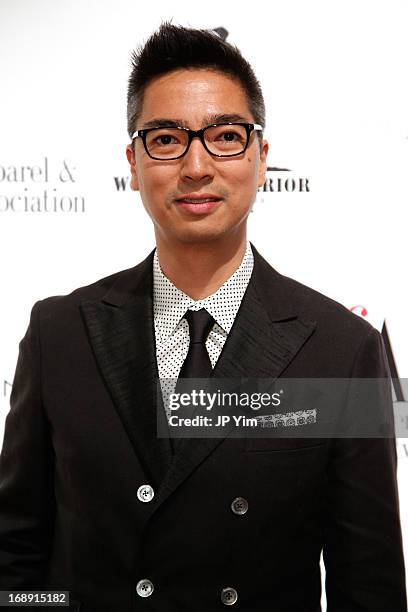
(198, 198)
(198, 203)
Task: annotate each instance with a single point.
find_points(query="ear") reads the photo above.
(264, 148)
(134, 182)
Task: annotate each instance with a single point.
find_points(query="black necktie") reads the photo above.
(197, 363)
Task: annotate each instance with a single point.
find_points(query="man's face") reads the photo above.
(195, 99)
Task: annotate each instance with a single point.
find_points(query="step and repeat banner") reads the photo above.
(331, 214)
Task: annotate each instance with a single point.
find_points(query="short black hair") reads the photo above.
(176, 47)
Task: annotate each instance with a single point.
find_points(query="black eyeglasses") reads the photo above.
(220, 139)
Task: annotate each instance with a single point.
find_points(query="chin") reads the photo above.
(201, 235)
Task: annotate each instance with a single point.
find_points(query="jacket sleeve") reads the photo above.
(362, 541)
(27, 504)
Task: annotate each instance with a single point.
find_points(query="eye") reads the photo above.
(165, 139)
(229, 136)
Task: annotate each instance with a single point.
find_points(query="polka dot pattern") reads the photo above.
(171, 328)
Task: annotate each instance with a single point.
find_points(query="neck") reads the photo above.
(199, 269)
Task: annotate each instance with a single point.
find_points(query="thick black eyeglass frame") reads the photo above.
(249, 128)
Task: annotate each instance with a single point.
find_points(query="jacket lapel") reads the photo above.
(121, 332)
(266, 336)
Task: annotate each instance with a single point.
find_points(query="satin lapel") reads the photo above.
(122, 338)
(259, 345)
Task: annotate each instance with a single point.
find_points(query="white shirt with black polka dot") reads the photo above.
(171, 328)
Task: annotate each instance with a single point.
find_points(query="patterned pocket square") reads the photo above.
(288, 419)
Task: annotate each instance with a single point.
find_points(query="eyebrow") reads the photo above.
(207, 120)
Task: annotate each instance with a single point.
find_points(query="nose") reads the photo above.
(197, 163)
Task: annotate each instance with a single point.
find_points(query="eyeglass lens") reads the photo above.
(165, 143)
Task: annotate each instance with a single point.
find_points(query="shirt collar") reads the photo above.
(170, 303)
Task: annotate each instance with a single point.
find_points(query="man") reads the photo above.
(91, 499)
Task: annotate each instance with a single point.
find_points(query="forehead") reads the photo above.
(192, 96)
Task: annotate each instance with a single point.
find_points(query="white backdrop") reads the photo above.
(334, 79)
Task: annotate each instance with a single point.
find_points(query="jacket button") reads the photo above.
(229, 596)
(144, 588)
(145, 493)
(239, 505)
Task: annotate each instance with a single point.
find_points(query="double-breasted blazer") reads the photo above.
(80, 440)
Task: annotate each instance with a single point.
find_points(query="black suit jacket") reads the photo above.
(80, 439)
